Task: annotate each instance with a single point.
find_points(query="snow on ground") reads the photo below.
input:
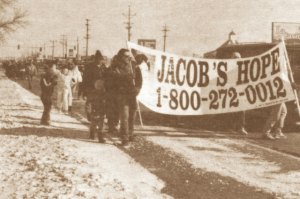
(58, 161)
(265, 169)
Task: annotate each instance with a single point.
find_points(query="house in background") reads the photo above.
(232, 40)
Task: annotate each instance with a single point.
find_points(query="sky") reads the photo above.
(196, 26)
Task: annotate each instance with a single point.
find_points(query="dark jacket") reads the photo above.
(90, 75)
(49, 78)
(128, 78)
(111, 78)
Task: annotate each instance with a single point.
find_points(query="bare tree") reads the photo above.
(11, 18)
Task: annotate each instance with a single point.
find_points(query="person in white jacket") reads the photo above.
(76, 75)
(64, 93)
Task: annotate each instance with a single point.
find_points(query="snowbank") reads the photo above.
(58, 161)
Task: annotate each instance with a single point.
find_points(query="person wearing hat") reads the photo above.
(94, 90)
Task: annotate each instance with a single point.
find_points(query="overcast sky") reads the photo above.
(196, 26)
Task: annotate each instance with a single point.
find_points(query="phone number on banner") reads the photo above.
(223, 98)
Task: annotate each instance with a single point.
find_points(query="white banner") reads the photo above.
(178, 85)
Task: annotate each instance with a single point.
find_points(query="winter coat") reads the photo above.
(64, 82)
(48, 82)
(91, 74)
(129, 78)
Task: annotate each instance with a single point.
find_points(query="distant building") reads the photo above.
(249, 49)
(232, 40)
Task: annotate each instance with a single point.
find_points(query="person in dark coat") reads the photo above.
(128, 77)
(94, 90)
(111, 86)
(47, 83)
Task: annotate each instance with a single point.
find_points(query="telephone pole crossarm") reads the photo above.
(165, 30)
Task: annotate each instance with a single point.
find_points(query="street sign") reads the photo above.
(289, 31)
(71, 52)
(150, 43)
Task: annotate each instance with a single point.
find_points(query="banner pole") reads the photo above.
(291, 75)
(140, 115)
(138, 103)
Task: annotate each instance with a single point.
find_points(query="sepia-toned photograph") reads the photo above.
(149, 99)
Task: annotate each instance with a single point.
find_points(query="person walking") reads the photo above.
(80, 92)
(76, 75)
(129, 82)
(64, 93)
(47, 83)
(94, 90)
(275, 122)
(112, 107)
(30, 72)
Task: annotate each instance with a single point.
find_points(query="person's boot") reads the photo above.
(131, 136)
(279, 134)
(113, 131)
(243, 131)
(268, 135)
(70, 109)
(100, 137)
(125, 142)
(92, 133)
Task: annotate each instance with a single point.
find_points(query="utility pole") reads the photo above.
(66, 43)
(87, 37)
(77, 48)
(129, 23)
(165, 30)
(53, 46)
(44, 50)
(63, 45)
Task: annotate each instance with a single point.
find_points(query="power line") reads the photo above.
(44, 51)
(87, 37)
(165, 30)
(129, 23)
